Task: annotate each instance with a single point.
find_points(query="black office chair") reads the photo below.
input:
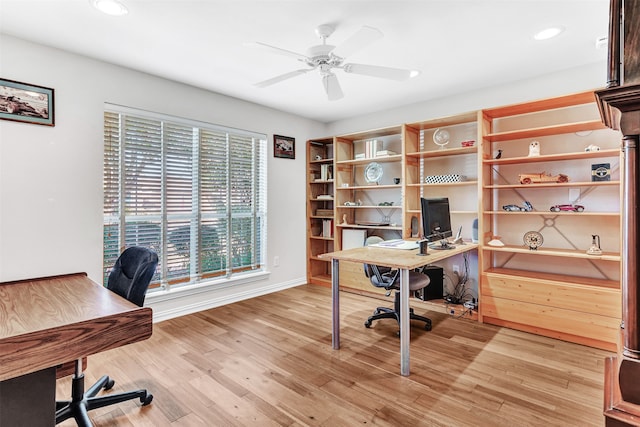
(129, 278)
(389, 279)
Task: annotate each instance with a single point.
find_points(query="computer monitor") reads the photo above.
(436, 220)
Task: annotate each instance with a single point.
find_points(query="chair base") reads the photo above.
(81, 403)
(394, 313)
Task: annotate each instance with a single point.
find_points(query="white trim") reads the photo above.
(185, 300)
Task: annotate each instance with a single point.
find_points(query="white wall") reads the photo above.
(589, 77)
(51, 177)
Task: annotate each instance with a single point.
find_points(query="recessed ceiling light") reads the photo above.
(110, 7)
(548, 33)
(414, 73)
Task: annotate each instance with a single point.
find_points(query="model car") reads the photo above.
(534, 178)
(527, 207)
(570, 208)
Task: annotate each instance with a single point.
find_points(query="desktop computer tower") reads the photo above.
(435, 290)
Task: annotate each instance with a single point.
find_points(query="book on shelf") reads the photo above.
(382, 153)
(326, 172)
(327, 228)
(325, 197)
(371, 147)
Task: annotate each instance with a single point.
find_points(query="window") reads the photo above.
(193, 192)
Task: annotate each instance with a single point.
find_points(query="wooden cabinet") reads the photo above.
(320, 209)
(551, 167)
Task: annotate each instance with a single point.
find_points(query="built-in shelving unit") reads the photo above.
(320, 209)
(557, 289)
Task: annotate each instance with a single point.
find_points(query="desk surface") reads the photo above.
(397, 258)
(46, 322)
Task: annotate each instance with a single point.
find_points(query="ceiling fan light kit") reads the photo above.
(325, 58)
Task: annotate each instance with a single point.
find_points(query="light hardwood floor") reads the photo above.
(268, 362)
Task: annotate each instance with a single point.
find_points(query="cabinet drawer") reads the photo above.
(554, 292)
(556, 322)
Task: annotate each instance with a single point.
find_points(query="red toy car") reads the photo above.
(570, 208)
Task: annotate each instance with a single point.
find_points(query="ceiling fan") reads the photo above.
(325, 58)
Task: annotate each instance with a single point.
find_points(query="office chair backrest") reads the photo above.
(380, 277)
(132, 273)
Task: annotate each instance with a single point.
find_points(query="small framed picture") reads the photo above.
(284, 147)
(22, 102)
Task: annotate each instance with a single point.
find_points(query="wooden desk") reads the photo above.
(404, 260)
(46, 322)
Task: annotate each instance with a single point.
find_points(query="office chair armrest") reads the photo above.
(385, 280)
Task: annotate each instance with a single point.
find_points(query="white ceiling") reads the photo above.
(457, 45)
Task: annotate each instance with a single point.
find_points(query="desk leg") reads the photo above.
(404, 322)
(335, 304)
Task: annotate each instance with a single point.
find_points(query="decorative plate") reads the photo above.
(533, 239)
(373, 172)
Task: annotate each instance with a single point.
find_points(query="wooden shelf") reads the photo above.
(372, 227)
(566, 253)
(444, 184)
(369, 187)
(550, 213)
(554, 157)
(554, 185)
(444, 152)
(321, 238)
(368, 207)
(545, 131)
(381, 159)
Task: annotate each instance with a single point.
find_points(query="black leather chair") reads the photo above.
(389, 279)
(129, 278)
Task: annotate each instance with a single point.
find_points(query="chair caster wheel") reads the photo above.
(427, 327)
(109, 384)
(367, 324)
(145, 400)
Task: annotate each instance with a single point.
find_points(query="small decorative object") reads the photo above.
(495, 241)
(601, 172)
(531, 178)
(499, 154)
(533, 239)
(595, 245)
(284, 147)
(592, 147)
(22, 102)
(439, 179)
(373, 172)
(441, 137)
(534, 148)
(526, 207)
(385, 204)
(396, 181)
(468, 143)
(567, 208)
(352, 203)
(344, 185)
(344, 219)
(318, 157)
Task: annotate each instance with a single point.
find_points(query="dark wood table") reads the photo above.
(48, 321)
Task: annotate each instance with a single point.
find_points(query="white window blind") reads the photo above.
(193, 192)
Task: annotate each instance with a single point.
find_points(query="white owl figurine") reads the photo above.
(534, 148)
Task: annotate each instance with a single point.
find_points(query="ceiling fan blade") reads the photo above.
(278, 50)
(332, 87)
(281, 77)
(378, 71)
(363, 37)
